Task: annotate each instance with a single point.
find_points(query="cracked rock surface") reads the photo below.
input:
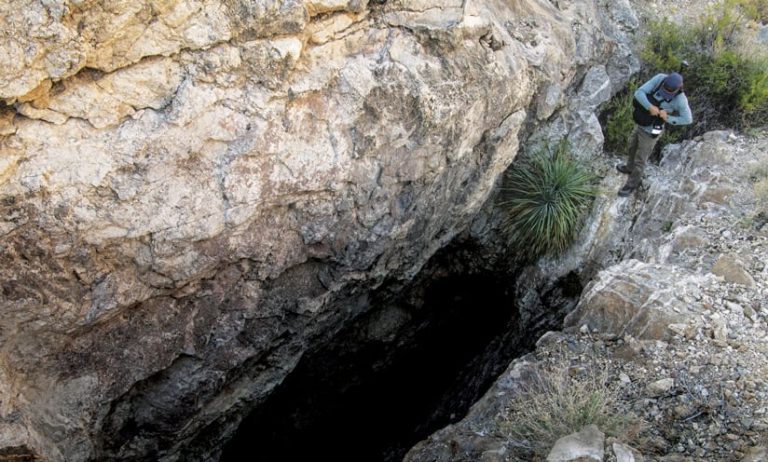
(676, 319)
(194, 192)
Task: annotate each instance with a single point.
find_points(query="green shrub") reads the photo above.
(753, 91)
(665, 47)
(732, 77)
(616, 119)
(543, 199)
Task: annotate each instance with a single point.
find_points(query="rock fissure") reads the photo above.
(334, 171)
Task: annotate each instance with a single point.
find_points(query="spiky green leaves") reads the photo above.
(543, 199)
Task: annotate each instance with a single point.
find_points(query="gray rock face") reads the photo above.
(193, 191)
(666, 312)
(636, 299)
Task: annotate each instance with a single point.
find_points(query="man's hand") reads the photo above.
(653, 110)
(663, 114)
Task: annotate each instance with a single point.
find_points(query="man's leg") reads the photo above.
(627, 168)
(632, 148)
(644, 144)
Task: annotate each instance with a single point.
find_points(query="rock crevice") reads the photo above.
(223, 190)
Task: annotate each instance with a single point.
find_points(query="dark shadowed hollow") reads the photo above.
(367, 398)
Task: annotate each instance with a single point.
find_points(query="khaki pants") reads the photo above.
(641, 144)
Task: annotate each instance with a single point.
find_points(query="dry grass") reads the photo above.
(562, 400)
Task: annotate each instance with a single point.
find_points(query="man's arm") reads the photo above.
(641, 94)
(684, 116)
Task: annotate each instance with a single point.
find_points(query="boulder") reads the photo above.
(733, 269)
(584, 446)
(636, 299)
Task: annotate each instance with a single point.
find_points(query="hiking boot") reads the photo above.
(626, 190)
(623, 169)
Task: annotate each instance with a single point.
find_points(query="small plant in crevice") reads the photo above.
(543, 199)
(559, 400)
(616, 119)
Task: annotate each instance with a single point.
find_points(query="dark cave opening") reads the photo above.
(370, 398)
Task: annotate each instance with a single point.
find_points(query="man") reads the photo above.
(662, 101)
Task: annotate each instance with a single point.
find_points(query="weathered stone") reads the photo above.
(547, 100)
(584, 446)
(756, 454)
(676, 458)
(192, 190)
(750, 313)
(6, 122)
(660, 387)
(106, 101)
(732, 269)
(625, 453)
(633, 298)
(688, 238)
(56, 40)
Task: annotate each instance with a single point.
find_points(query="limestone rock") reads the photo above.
(625, 453)
(688, 238)
(6, 122)
(584, 446)
(105, 101)
(193, 190)
(633, 298)
(660, 387)
(756, 454)
(733, 270)
(55, 40)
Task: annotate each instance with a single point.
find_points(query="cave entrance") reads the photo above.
(406, 368)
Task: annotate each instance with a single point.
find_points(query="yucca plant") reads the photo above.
(543, 199)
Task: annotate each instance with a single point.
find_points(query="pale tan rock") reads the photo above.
(315, 7)
(43, 47)
(328, 29)
(756, 454)
(65, 38)
(634, 298)
(584, 446)
(733, 269)
(7, 126)
(28, 110)
(106, 101)
(689, 238)
(126, 33)
(660, 387)
(40, 94)
(626, 453)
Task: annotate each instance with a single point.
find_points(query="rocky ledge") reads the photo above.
(676, 327)
(194, 193)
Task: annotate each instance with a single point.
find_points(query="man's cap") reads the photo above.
(673, 83)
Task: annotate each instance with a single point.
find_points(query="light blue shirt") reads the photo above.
(678, 111)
